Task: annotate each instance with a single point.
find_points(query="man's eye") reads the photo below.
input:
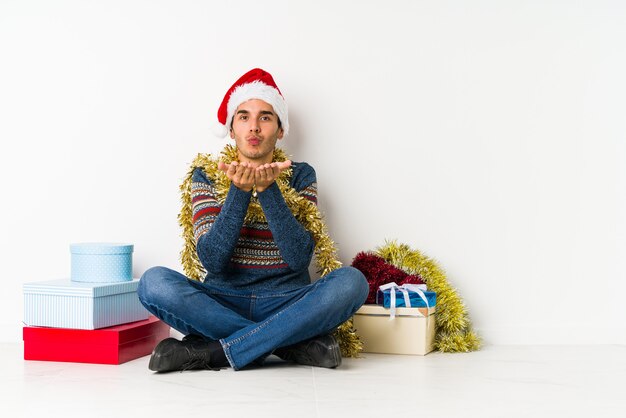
(265, 118)
(243, 117)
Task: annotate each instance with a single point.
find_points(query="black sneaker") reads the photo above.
(322, 351)
(190, 354)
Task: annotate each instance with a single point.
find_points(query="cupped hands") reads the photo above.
(246, 175)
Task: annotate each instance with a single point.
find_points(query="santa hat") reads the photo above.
(255, 84)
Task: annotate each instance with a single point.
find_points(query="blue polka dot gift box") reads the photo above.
(101, 262)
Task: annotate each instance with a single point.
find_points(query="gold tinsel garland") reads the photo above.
(305, 211)
(453, 330)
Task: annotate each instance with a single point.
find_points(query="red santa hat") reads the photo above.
(255, 84)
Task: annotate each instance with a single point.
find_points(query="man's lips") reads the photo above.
(253, 140)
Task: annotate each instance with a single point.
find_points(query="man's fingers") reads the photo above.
(245, 174)
(260, 175)
(235, 167)
(222, 166)
(238, 172)
(268, 172)
(229, 169)
(248, 175)
(283, 165)
(274, 171)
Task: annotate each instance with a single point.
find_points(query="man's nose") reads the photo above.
(254, 126)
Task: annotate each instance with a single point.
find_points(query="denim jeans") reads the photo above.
(250, 325)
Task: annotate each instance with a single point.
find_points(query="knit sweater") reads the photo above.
(272, 255)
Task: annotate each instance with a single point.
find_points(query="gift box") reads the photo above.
(67, 304)
(383, 298)
(411, 331)
(112, 345)
(101, 262)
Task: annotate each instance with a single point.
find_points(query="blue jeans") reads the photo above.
(250, 325)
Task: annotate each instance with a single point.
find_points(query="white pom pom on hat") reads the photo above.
(255, 84)
(219, 130)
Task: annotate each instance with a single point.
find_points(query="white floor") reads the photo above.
(499, 381)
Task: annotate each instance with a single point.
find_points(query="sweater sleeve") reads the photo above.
(216, 227)
(295, 243)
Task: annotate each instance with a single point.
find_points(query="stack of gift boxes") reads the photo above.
(93, 317)
(401, 322)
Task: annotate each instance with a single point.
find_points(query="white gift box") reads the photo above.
(68, 304)
(411, 331)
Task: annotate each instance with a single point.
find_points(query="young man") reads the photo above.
(257, 297)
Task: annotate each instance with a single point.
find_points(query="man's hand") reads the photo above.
(266, 174)
(241, 174)
(245, 175)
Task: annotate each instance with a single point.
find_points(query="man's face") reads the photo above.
(255, 131)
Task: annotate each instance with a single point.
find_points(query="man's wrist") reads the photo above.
(260, 189)
(268, 187)
(243, 188)
(234, 187)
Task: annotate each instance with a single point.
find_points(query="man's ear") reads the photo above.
(281, 132)
(232, 134)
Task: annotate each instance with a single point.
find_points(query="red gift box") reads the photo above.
(112, 345)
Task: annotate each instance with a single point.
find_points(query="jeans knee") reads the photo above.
(150, 281)
(354, 285)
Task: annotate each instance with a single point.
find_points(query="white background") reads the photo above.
(488, 134)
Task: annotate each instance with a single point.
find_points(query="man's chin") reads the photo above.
(255, 156)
